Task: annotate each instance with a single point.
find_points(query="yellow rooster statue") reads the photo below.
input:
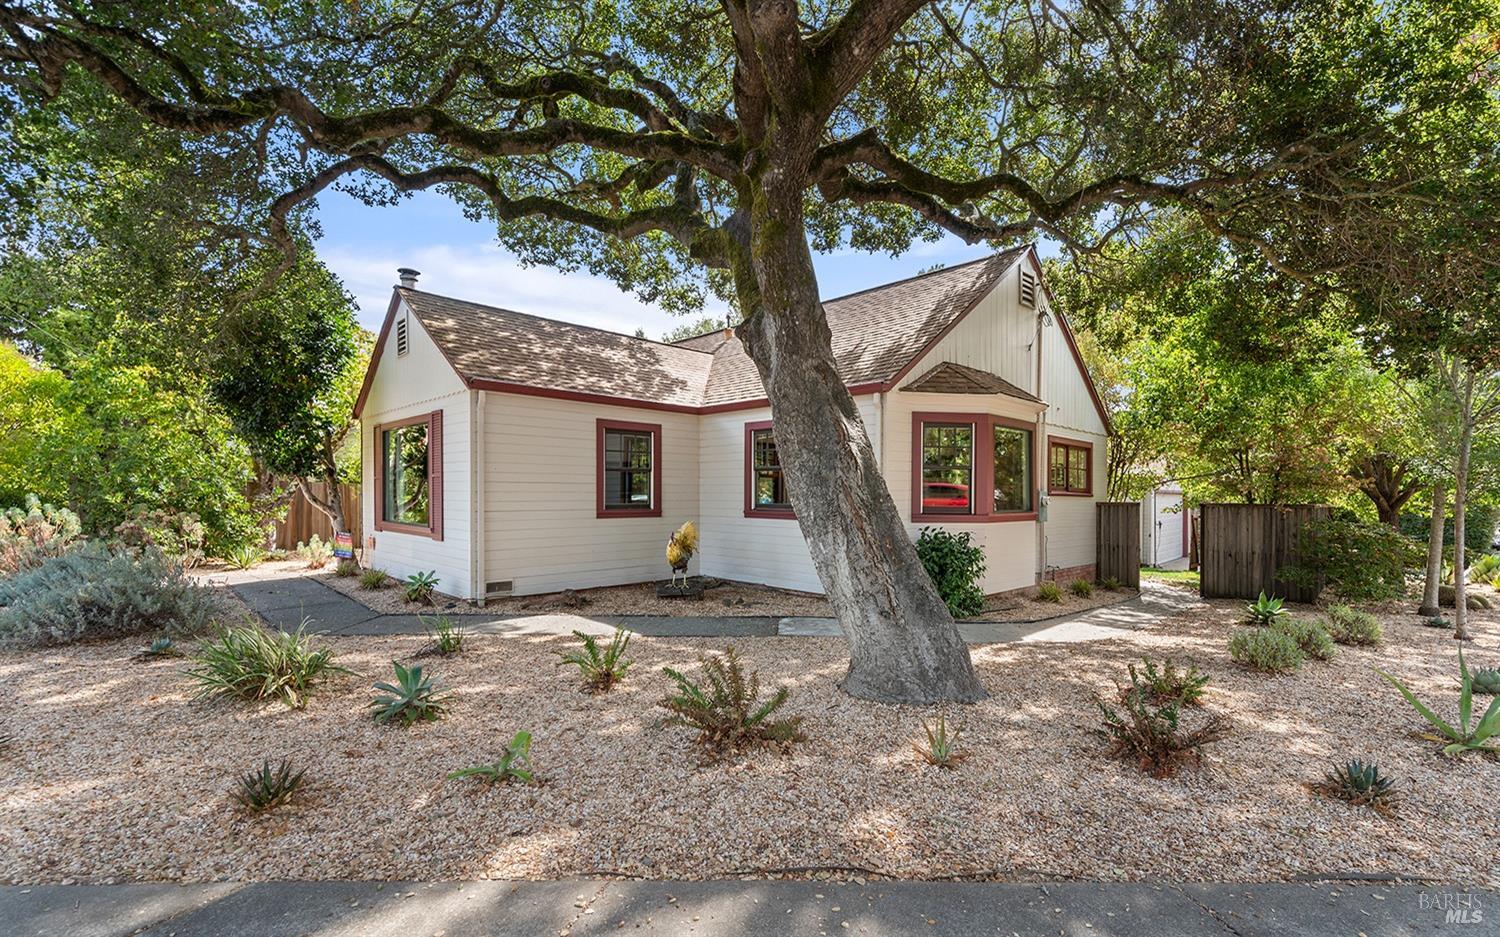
(680, 549)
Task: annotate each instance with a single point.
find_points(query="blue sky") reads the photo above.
(461, 258)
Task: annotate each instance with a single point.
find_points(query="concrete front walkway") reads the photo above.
(284, 602)
(659, 909)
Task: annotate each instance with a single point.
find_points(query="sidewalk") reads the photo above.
(658, 909)
(284, 602)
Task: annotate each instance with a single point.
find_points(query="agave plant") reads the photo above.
(1265, 610)
(514, 764)
(601, 669)
(412, 698)
(420, 586)
(1360, 783)
(161, 646)
(1468, 735)
(1486, 681)
(268, 787)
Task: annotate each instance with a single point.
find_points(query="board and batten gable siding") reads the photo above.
(769, 550)
(1072, 521)
(408, 385)
(540, 500)
(996, 336)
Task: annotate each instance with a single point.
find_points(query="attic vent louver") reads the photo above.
(1028, 289)
(402, 342)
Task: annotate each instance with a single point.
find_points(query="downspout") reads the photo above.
(478, 567)
(1039, 446)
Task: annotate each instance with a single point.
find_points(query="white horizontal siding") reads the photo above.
(542, 532)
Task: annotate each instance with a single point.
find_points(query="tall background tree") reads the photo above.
(684, 145)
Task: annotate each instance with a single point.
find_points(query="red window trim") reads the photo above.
(434, 528)
(600, 427)
(751, 510)
(984, 467)
(1066, 443)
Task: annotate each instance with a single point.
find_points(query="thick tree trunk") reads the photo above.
(331, 506)
(903, 644)
(1430, 589)
(1383, 480)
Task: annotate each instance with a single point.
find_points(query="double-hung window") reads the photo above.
(629, 469)
(765, 483)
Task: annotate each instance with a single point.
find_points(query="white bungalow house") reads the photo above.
(513, 454)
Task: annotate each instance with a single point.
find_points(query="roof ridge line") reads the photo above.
(531, 315)
(929, 273)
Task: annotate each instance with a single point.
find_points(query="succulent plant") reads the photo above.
(161, 646)
(1435, 621)
(1360, 783)
(1265, 610)
(1486, 680)
(268, 787)
(414, 697)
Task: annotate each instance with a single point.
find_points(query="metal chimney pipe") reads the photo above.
(408, 277)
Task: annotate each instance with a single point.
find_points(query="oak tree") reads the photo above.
(679, 146)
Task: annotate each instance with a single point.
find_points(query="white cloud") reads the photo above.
(487, 274)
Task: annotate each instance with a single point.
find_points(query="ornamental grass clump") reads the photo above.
(1048, 591)
(374, 579)
(1081, 588)
(252, 663)
(725, 708)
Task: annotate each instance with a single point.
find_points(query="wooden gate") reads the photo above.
(1244, 545)
(1119, 547)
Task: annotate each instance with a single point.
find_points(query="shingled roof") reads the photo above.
(950, 378)
(877, 334)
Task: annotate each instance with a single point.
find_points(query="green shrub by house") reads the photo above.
(93, 592)
(956, 566)
(1358, 560)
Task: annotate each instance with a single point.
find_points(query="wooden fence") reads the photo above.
(303, 520)
(1118, 555)
(1242, 546)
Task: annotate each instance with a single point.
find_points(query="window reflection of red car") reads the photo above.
(944, 495)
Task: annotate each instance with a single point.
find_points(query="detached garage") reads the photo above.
(1164, 525)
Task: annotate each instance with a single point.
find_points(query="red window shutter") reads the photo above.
(435, 473)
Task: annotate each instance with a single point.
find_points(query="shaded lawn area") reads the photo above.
(1182, 577)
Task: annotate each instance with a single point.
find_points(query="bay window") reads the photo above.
(954, 452)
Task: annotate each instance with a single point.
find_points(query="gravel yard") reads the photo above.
(113, 772)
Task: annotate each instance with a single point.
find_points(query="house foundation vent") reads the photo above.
(499, 587)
